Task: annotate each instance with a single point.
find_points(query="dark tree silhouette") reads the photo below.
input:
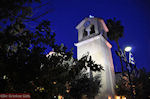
(115, 33)
(11, 9)
(24, 66)
(22, 52)
(141, 85)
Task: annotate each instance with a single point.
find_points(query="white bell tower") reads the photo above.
(92, 39)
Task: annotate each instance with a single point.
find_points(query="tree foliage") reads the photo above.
(24, 66)
(140, 82)
(12, 9)
(22, 52)
(116, 31)
(85, 86)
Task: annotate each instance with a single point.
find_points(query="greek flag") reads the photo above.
(131, 58)
(123, 55)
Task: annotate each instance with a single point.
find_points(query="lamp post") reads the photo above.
(128, 49)
(122, 55)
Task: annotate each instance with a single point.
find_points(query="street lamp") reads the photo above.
(128, 48)
(122, 55)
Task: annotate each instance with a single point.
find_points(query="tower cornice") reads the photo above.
(92, 39)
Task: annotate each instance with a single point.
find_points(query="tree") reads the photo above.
(115, 33)
(122, 87)
(28, 11)
(61, 75)
(22, 52)
(24, 67)
(10, 10)
(140, 82)
(20, 64)
(85, 86)
(21, 49)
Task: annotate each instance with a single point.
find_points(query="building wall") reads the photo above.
(101, 54)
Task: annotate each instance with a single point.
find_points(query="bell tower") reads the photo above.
(92, 39)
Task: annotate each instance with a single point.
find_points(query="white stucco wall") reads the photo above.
(101, 54)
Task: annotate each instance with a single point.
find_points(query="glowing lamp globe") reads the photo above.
(128, 49)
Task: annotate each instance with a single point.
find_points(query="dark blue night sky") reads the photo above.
(134, 15)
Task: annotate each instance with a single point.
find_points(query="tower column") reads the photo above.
(88, 30)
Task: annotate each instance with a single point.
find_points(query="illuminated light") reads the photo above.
(117, 86)
(123, 97)
(117, 97)
(109, 97)
(128, 49)
(134, 92)
(4, 77)
(54, 82)
(133, 85)
(60, 97)
(38, 87)
(67, 90)
(42, 89)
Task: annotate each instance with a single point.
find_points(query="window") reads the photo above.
(92, 29)
(85, 33)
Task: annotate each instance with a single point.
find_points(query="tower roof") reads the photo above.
(88, 19)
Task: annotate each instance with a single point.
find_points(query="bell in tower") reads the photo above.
(92, 39)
